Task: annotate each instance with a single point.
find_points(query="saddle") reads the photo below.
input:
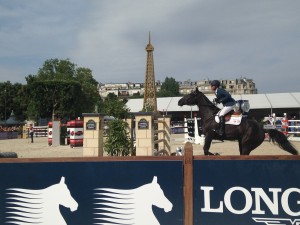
(232, 118)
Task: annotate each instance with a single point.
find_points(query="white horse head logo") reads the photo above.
(131, 206)
(39, 206)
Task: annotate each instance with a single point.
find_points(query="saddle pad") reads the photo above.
(234, 119)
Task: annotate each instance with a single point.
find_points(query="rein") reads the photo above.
(206, 105)
(210, 105)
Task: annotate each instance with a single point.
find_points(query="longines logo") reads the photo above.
(277, 221)
(256, 201)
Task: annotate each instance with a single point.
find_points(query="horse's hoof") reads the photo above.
(209, 153)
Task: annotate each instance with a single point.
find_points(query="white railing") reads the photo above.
(291, 128)
(38, 131)
(294, 126)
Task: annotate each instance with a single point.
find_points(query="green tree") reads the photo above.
(136, 95)
(90, 98)
(54, 98)
(169, 88)
(12, 97)
(117, 143)
(54, 69)
(60, 88)
(113, 106)
(20, 101)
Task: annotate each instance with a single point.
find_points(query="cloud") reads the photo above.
(193, 39)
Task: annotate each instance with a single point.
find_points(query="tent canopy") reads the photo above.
(12, 121)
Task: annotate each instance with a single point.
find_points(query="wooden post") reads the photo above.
(188, 184)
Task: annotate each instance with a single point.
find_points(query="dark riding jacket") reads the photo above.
(224, 97)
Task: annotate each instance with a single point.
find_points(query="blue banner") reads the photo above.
(247, 192)
(86, 193)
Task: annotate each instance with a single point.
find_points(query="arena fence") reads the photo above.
(202, 190)
(290, 127)
(192, 128)
(38, 131)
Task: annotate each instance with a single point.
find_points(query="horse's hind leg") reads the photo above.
(252, 136)
(249, 144)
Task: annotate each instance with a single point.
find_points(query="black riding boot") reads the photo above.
(220, 131)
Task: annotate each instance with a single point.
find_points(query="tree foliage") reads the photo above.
(113, 106)
(60, 88)
(12, 97)
(118, 143)
(89, 85)
(54, 97)
(169, 88)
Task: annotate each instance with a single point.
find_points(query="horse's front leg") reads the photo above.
(207, 144)
(240, 146)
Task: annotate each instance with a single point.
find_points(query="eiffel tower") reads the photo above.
(150, 104)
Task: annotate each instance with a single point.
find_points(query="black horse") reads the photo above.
(250, 134)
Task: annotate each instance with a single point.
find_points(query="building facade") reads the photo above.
(233, 86)
(238, 86)
(121, 89)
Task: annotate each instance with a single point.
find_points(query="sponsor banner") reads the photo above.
(248, 192)
(76, 193)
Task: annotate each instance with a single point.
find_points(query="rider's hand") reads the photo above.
(217, 101)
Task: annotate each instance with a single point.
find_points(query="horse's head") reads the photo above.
(64, 196)
(158, 197)
(194, 98)
(206, 107)
(190, 99)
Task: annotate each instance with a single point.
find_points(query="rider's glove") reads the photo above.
(216, 100)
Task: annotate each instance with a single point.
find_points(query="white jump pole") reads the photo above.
(197, 137)
(186, 133)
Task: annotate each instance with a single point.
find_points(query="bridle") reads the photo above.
(210, 105)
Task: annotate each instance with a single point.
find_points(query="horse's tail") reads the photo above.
(279, 138)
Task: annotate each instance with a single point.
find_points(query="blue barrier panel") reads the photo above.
(106, 192)
(8, 135)
(247, 192)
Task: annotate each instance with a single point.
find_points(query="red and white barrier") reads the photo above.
(75, 127)
(50, 133)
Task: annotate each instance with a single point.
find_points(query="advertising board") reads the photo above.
(106, 192)
(248, 192)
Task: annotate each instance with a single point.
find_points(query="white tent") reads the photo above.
(257, 101)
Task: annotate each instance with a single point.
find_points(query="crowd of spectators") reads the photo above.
(9, 129)
(9, 132)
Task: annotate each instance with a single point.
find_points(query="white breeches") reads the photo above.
(225, 110)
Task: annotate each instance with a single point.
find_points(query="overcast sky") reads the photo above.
(192, 39)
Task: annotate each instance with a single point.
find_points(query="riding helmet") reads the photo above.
(215, 83)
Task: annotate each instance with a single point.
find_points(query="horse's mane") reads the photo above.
(208, 102)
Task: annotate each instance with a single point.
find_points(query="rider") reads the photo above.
(222, 96)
